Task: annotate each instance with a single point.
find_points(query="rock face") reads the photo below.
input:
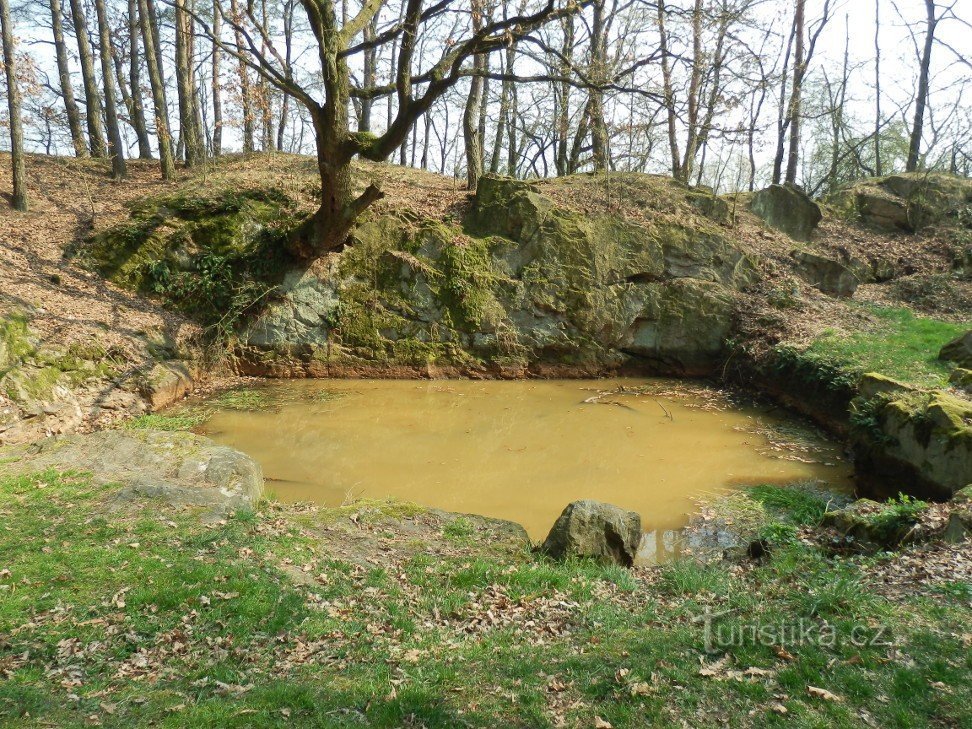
(787, 208)
(594, 529)
(919, 438)
(178, 468)
(826, 274)
(959, 351)
(905, 202)
(523, 281)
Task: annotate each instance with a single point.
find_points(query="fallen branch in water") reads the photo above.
(665, 410)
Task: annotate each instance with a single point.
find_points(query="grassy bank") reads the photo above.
(901, 345)
(121, 616)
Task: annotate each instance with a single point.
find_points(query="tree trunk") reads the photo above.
(246, 98)
(799, 68)
(695, 81)
(18, 201)
(877, 88)
(115, 148)
(185, 87)
(64, 76)
(149, 30)
(470, 117)
(217, 91)
(668, 92)
(92, 95)
(782, 120)
(135, 83)
(598, 69)
(921, 100)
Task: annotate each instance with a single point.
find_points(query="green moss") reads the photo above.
(15, 341)
(213, 253)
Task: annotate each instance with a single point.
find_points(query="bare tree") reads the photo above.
(92, 96)
(18, 200)
(921, 99)
(337, 145)
(115, 149)
(147, 21)
(64, 76)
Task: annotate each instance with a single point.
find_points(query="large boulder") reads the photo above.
(594, 529)
(829, 276)
(181, 469)
(906, 202)
(919, 441)
(524, 280)
(787, 208)
(959, 351)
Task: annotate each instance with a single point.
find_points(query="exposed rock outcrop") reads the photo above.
(917, 438)
(523, 281)
(178, 468)
(787, 208)
(830, 276)
(959, 351)
(594, 529)
(906, 202)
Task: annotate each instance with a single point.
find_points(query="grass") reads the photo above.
(161, 421)
(148, 617)
(903, 346)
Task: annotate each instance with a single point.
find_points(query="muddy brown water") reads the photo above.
(522, 450)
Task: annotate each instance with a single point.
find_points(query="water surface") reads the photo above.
(521, 450)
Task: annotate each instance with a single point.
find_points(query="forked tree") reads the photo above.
(417, 83)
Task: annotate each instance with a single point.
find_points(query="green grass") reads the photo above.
(160, 421)
(903, 346)
(148, 617)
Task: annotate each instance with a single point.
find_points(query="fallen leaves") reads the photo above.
(821, 693)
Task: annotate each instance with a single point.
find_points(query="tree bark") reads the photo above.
(598, 67)
(149, 31)
(877, 88)
(921, 100)
(799, 68)
(92, 95)
(135, 83)
(64, 76)
(668, 92)
(246, 96)
(185, 86)
(18, 200)
(695, 81)
(116, 149)
(470, 117)
(217, 89)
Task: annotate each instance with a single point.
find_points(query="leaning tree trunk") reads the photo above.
(19, 199)
(64, 76)
(149, 32)
(668, 92)
(92, 95)
(921, 100)
(115, 149)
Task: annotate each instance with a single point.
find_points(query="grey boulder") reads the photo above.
(594, 529)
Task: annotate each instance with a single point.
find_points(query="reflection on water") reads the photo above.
(522, 450)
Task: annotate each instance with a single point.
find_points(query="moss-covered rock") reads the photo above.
(905, 202)
(787, 208)
(523, 280)
(210, 251)
(918, 442)
(959, 350)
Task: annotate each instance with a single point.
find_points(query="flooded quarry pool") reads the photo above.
(518, 450)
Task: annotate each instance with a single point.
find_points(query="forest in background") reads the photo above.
(731, 94)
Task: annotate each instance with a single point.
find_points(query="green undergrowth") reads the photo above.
(148, 617)
(902, 346)
(213, 251)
